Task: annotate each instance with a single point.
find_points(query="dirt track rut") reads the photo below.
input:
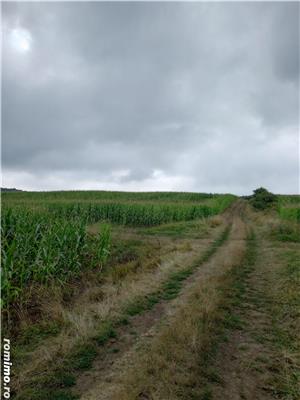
(100, 381)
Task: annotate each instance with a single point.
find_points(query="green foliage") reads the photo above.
(262, 199)
(134, 214)
(99, 195)
(173, 286)
(289, 213)
(102, 245)
(125, 251)
(84, 356)
(289, 200)
(126, 208)
(38, 332)
(44, 238)
(39, 248)
(55, 385)
(289, 207)
(106, 332)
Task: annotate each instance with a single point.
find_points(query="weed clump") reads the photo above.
(285, 232)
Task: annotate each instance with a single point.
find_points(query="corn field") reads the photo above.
(289, 207)
(39, 248)
(131, 214)
(137, 213)
(94, 196)
(45, 240)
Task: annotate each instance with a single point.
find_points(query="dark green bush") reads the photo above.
(262, 199)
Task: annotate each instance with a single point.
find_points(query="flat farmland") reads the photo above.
(163, 295)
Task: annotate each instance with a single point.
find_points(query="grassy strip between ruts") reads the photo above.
(56, 385)
(178, 363)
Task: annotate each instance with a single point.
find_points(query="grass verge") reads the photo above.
(284, 306)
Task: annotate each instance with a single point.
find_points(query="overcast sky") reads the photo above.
(150, 96)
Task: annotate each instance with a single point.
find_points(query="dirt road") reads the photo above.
(217, 318)
(241, 362)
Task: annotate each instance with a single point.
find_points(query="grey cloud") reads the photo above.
(151, 95)
(285, 43)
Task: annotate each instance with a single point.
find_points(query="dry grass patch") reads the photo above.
(284, 306)
(215, 221)
(171, 366)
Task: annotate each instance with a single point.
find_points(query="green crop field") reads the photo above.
(78, 267)
(289, 207)
(44, 235)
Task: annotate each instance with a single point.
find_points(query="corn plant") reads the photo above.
(136, 214)
(39, 248)
(102, 246)
(44, 237)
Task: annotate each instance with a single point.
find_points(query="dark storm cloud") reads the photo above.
(183, 96)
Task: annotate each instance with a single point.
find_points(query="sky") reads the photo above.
(154, 96)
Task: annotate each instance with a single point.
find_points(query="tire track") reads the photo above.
(101, 381)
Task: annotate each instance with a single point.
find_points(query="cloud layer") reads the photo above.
(151, 96)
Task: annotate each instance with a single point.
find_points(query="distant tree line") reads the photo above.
(10, 190)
